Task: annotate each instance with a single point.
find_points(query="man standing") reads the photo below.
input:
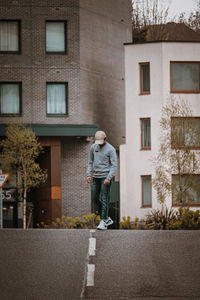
(102, 167)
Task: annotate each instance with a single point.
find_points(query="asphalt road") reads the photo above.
(42, 264)
(146, 265)
(64, 265)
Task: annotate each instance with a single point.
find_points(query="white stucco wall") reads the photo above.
(123, 182)
(138, 162)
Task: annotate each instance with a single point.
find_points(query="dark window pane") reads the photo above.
(55, 36)
(9, 36)
(185, 77)
(146, 190)
(186, 189)
(10, 98)
(145, 78)
(146, 133)
(56, 98)
(185, 132)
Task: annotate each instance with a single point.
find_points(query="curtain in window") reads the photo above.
(186, 188)
(146, 133)
(178, 135)
(192, 132)
(145, 78)
(195, 189)
(185, 77)
(9, 36)
(147, 190)
(55, 36)
(56, 99)
(9, 97)
(186, 132)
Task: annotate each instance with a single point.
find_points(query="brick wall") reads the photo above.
(76, 200)
(105, 26)
(95, 94)
(33, 67)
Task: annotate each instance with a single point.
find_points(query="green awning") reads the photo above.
(59, 129)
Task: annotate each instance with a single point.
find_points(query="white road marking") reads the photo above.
(90, 275)
(92, 246)
(89, 268)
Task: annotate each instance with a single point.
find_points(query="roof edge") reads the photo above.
(59, 129)
(160, 41)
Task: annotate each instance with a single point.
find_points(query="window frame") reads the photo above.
(140, 75)
(141, 135)
(20, 99)
(183, 91)
(183, 147)
(19, 37)
(66, 99)
(142, 196)
(174, 204)
(65, 37)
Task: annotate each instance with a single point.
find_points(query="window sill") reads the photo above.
(145, 149)
(56, 53)
(10, 115)
(10, 52)
(185, 204)
(146, 206)
(57, 115)
(184, 92)
(186, 148)
(144, 93)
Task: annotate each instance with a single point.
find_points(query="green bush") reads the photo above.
(160, 219)
(42, 225)
(87, 222)
(165, 219)
(185, 219)
(126, 223)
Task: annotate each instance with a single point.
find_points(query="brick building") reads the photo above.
(62, 71)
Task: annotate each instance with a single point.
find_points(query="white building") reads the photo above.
(150, 74)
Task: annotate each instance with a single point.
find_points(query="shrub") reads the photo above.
(42, 225)
(126, 223)
(185, 219)
(160, 219)
(87, 222)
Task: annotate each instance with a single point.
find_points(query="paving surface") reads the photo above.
(146, 265)
(52, 265)
(42, 264)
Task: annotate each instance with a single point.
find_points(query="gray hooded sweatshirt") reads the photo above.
(102, 161)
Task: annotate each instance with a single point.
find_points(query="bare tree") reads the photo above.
(151, 22)
(177, 163)
(193, 20)
(148, 20)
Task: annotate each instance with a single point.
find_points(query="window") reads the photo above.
(9, 36)
(144, 78)
(10, 98)
(56, 37)
(56, 98)
(185, 77)
(185, 132)
(145, 125)
(146, 191)
(186, 189)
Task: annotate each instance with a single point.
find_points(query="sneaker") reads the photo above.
(109, 222)
(102, 225)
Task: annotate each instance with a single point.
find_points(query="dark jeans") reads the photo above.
(100, 194)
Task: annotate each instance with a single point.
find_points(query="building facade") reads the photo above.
(154, 72)
(62, 72)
